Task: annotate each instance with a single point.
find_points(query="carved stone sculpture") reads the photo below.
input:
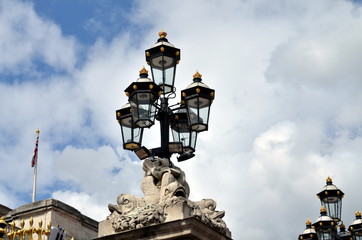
(165, 199)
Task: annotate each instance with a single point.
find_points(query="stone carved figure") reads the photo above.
(165, 199)
(206, 212)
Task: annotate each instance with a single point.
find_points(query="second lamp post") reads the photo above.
(325, 227)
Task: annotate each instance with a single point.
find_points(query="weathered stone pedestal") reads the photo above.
(186, 229)
(164, 212)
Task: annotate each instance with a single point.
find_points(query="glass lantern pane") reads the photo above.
(326, 236)
(127, 134)
(193, 115)
(204, 114)
(169, 80)
(176, 136)
(198, 109)
(163, 71)
(137, 135)
(143, 110)
(130, 135)
(333, 206)
(189, 140)
(185, 138)
(157, 76)
(193, 140)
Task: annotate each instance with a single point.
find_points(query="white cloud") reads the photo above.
(26, 38)
(83, 202)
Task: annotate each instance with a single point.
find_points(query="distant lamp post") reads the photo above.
(163, 58)
(131, 134)
(356, 227)
(326, 225)
(309, 233)
(197, 98)
(149, 101)
(331, 197)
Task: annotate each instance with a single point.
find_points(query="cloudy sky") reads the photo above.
(287, 110)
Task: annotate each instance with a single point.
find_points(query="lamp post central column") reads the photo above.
(164, 119)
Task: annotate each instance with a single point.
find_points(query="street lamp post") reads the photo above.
(325, 227)
(148, 100)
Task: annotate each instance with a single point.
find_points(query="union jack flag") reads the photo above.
(35, 156)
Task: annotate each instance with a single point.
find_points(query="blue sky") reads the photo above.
(87, 20)
(286, 115)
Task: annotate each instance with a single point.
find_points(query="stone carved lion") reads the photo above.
(165, 198)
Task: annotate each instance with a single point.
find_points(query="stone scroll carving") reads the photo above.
(165, 199)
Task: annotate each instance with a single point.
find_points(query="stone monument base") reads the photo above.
(185, 229)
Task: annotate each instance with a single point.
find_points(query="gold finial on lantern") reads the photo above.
(323, 209)
(162, 34)
(329, 179)
(143, 71)
(197, 75)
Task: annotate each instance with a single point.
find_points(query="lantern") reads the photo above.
(356, 227)
(163, 58)
(309, 233)
(325, 226)
(181, 131)
(197, 98)
(142, 97)
(131, 134)
(331, 197)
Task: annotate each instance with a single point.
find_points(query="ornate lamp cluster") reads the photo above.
(148, 101)
(325, 227)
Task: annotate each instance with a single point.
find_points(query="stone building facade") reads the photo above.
(53, 211)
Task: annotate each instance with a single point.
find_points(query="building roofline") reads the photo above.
(48, 204)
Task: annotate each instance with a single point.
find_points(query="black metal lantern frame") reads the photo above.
(182, 132)
(163, 58)
(197, 98)
(131, 134)
(356, 227)
(149, 101)
(143, 94)
(331, 198)
(309, 233)
(325, 226)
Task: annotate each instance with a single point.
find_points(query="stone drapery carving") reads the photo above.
(165, 199)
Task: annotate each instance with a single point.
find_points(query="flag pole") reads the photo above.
(34, 163)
